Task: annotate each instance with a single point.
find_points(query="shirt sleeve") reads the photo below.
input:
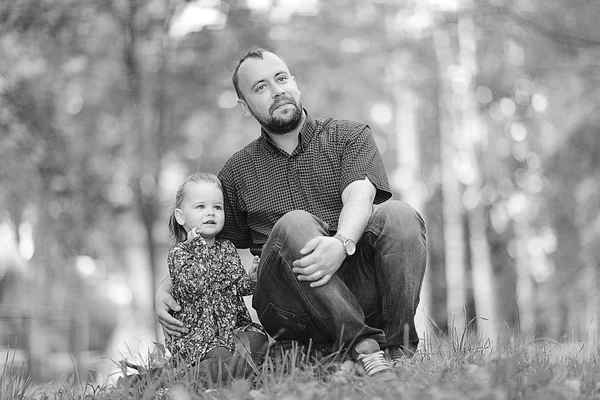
(236, 227)
(187, 272)
(361, 159)
(245, 286)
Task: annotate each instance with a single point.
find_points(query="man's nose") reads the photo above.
(278, 90)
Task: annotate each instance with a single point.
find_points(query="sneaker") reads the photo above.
(209, 393)
(399, 355)
(369, 355)
(398, 362)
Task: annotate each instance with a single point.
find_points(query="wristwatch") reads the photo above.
(349, 245)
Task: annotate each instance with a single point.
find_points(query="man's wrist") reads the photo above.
(348, 244)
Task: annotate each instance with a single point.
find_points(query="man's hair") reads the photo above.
(255, 52)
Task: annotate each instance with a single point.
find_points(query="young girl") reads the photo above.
(208, 283)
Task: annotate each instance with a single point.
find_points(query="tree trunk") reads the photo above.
(408, 176)
(149, 115)
(481, 263)
(454, 235)
(525, 286)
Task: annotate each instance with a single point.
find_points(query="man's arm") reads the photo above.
(358, 200)
(236, 227)
(163, 302)
(323, 255)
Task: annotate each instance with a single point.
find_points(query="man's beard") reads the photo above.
(284, 124)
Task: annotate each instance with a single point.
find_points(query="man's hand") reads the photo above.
(163, 303)
(323, 256)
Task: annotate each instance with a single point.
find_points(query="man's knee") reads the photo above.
(292, 218)
(298, 224)
(401, 218)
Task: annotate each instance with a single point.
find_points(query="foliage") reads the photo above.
(523, 369)
(103, 111)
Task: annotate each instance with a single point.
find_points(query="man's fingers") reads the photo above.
(171, 325)
(311, 245)
(303, 263)
(172, 304)
(169, 333)
(321, 281)
(169, 321)
(305, 275)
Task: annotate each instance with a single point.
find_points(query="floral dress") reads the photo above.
(208, 284)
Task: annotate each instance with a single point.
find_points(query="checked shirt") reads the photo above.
(261, 182)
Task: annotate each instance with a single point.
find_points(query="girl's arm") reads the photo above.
(187, 270)
(244, 285)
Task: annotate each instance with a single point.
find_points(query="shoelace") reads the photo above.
(374, 362)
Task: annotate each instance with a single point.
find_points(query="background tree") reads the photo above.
(484, 112)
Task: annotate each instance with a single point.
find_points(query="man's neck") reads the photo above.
(288, 141)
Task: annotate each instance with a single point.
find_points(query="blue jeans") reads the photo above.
(374, 294)
(221, 367)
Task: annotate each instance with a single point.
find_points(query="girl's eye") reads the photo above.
(200, 206)
(218, 208)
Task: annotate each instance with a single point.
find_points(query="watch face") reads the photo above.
(350, 247)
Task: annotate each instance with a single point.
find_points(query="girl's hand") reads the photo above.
(253, 272)
(194, 232)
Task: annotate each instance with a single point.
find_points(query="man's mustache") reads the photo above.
(280, 103)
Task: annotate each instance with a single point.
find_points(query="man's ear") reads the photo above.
(244, 107)
(294, 78)
(179, 217)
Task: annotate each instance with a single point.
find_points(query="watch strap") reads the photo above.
(343, 240)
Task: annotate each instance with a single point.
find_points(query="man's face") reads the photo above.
(270, 93)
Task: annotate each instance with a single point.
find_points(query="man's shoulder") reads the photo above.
(340, 125)
(240, 158)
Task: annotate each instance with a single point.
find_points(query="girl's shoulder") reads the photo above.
(176, 248)
(225, 243)
(180, 249)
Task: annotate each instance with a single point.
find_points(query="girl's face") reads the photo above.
(202, 207)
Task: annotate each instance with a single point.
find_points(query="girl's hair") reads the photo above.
(177, 231)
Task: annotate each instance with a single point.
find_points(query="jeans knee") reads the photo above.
(293, 217)
(402, 219)
(297, 224)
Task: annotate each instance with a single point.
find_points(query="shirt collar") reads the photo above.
(307, 132)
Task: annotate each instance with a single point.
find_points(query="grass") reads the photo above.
(448, 368)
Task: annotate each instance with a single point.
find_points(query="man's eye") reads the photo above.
(259, 88)
(282, 78)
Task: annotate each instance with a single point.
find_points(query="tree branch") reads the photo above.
(552, 33)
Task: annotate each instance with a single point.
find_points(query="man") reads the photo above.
(333, 268)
